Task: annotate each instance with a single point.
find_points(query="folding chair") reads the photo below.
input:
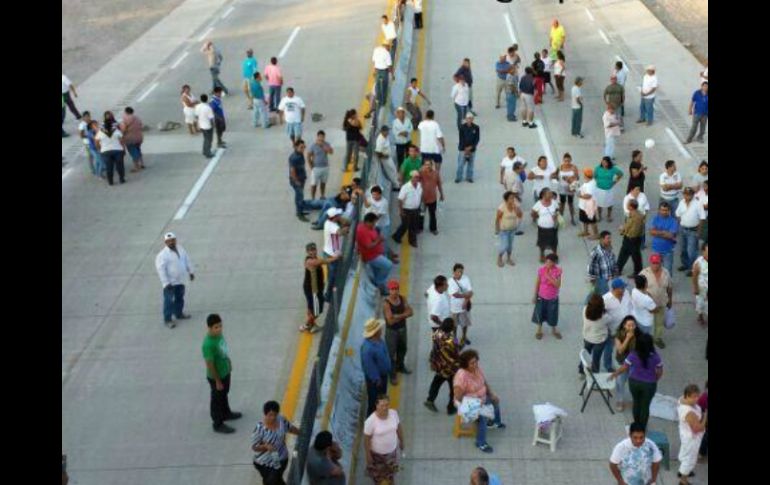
(599, 382)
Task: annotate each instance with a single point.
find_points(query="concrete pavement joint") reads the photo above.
(147, 93)
(205, 34)
(604, 37)
(288, 42)
(590, 16)
(181, 58)
(199, 185)
(228, 12)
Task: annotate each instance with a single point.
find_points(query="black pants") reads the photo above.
(208, 136)
(396, 341)
(272, 476)
(632, 246)
(71, 106)
(114, 160)
(219, 127)
(704, 445)
(215, 81)
(372, 391)
(220, 407)
(418, 20)
(409, 221)
(435, 386)
(400, 154)
(432, 224)
(642, 394)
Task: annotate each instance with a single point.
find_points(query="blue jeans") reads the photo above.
(173, 301)
(299, 196)
(319, 204)
(621, 393)
(259, 114)
(647, 110)
(689, 246)
(275, 97)
(331, 277)
(577, 121)
(384, 230)
(506, 242)
(380, 268)
(98, 168)
(461, 164)
(481, 434)
(596, 355)
(461, 111)
(609, 352)
(609, 146)
(668, 262)
(510, 106)
(382, 78)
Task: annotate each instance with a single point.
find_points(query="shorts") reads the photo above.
(546, 311)
(436, 157)
(135, 150)
(584, 218)
(315, 303)
(547, 77)
(462, 319)
(294, 129)
(528, 101)
(566, 197)
(319, 175)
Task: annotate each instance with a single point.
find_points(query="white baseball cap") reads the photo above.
(169, 236)
(333, 212)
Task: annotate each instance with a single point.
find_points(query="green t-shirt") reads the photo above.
(215, 350)
(408, 165)
(604, 176)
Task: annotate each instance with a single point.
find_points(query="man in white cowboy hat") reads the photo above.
(375, 362)
(172, 262)
(649, 88)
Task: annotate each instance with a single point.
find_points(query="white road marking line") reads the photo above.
(588, 12)
(288, 42)
(147, 93)
(604, 36)
(198, 185)
(66, 172)
(678, 143)
(179, 61)
(510, 28)
(228, 12)
(205, 34)
(546, 146)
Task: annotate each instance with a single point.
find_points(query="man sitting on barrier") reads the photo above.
(371, 247)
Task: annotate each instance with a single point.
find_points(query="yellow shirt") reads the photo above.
(557, 37)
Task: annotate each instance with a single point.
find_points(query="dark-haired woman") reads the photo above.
(546, 298)
(470, 381)
(606, 175)
(645, 368)
(625, 341)
(545, 215)
(269, 444)
(352, 126)
(595, 331)
(188, 109)
(109, 142)
(636, 171)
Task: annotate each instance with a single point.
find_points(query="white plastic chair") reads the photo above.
(599, 382)
(553, 434)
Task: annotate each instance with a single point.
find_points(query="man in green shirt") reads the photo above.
(411, 163)
(218, 367)
(615, 95)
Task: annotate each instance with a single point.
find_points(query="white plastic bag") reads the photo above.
(547, 412)
(670, 319)
(469, 409)
(488, 411)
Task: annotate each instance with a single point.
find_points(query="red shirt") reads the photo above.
(364, 238)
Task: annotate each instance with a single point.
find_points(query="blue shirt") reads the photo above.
(502, 66)
(659, 244)
(249, 67)
(375, 360)
(297, 162)
(216, 105)
(256, 89)
(700, 103)
(90, 136)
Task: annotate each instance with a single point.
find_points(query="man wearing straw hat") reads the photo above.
(375, 362)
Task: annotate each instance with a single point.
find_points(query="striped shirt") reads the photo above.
(262, 435)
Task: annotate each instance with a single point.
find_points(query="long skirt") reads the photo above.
(383, 467)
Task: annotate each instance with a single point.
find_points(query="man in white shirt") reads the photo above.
(671, 185)
(577, 108)
(439, 306)
(171, 263)
(621, 73)
(642, 303)
(409, 199)
(332, 246)
(389, 31)
(205, 116)
(636, 459)
(383, 70)
(460, 292)
(402, 130)
(617, 304)
(66, 88)
(417, 13)
(461, 96)
(641, 199)
(611, 131)
(691, 215)
(431, 139)
(382, 153)
(649, 88)
(292, 111)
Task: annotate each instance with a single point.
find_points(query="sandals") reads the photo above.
(539, 335)
(510, 262)
(556, 334)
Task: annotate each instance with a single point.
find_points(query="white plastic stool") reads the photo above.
(554, 434)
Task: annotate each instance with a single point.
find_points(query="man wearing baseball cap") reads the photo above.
(332, 246)
(661, 289)
(396, 310)
(172, 262)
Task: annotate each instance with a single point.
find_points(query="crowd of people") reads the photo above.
(621, 328)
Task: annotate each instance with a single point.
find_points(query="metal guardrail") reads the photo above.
(331, 321)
